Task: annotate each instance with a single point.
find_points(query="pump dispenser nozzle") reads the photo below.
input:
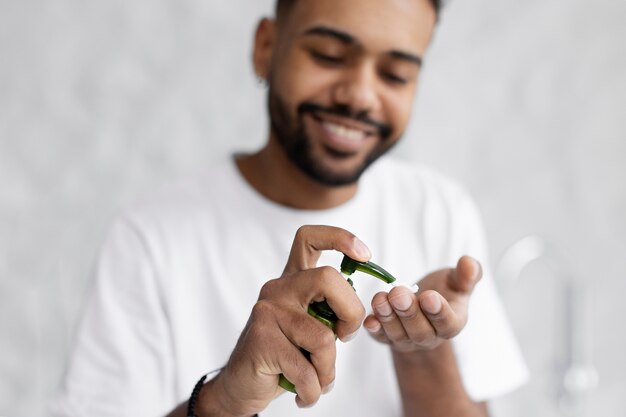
(322, 311)
(349, 266)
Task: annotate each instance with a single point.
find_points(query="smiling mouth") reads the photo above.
(345, 132)
(344, 122)
(341, 140)
(342, 136)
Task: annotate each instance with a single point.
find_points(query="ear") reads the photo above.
(264, 43)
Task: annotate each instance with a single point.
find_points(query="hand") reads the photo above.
(422, 321)
(279, 326)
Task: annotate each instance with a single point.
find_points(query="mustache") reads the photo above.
(383, 129)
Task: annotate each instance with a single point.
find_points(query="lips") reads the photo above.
(344, 132)
(345, 137)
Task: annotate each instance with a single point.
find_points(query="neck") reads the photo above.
(277, 178)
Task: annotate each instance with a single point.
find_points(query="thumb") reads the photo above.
(467, 273)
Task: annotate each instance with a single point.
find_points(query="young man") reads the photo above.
(184, 282)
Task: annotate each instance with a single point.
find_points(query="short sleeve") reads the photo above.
(122, 352)
(490, 361)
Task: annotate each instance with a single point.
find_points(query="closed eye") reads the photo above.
(393, 78)
(327, 59)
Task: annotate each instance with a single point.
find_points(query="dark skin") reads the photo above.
(364, 55)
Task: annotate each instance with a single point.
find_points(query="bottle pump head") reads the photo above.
(349, 266)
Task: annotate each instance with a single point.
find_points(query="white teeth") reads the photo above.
(345, 132)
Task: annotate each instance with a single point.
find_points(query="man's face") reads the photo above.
(342, 79)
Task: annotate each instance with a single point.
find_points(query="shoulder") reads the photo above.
(182, 203)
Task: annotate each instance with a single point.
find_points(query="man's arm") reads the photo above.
(209, 404)
(418, 328)
(430, 385)
(279, 326)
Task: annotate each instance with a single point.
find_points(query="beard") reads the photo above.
(293, 138)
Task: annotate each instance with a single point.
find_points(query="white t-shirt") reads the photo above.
(179, 274)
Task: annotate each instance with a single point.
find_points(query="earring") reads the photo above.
(261, 81)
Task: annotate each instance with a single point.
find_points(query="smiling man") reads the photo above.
(184, 282)
(342, 78)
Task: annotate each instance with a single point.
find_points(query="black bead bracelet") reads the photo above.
(191, 404)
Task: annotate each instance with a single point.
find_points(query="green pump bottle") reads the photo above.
(322, 311)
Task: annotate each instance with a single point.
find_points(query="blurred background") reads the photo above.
(522, 101)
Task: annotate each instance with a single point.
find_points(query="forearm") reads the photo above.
(207, 405)
(430, 385)
(180, 411)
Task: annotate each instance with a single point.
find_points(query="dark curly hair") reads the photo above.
(283, 7)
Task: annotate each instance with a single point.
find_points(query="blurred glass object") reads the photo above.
(577, 375)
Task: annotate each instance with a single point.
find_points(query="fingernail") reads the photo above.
(383, 309)
(479, 269)
(413, 287)
(350, 336)
(401, 302)
(431, 304)
(328, 388)
(362, 249)
(301, 404)
(373, 328)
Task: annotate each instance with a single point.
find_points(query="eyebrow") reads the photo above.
(405, 56)
(347, 39)
(329, 32)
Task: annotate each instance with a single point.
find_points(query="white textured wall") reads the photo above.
(102, 101)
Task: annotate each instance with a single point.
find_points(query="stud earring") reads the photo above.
(261, 81)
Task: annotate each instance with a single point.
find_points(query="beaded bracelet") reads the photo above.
(191, 404)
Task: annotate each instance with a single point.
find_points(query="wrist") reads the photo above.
(423, 357)
(213, 401)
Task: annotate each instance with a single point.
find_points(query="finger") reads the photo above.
(309, 334)
(375, 329)
(416, 325)
(444, 319)
(467, 273)
(326, 283)
(391, 324)
(300, 372)
(310, 241)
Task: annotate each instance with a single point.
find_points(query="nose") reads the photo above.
(357, 90)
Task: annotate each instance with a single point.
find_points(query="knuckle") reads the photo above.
(327, 378)
(409, 315)
(327, 274)
(255, 334)
(432, 342)
(351, 239)
(379, 298)
(422, 336)
(450, 330)
(292, 360)
(302, 232)
(354, 315)
(268, 289)
(325, 339)
(318, 337)
(307, 375)
(397, 338)
(302, 322)
(258, 336)
(381, 338)
(448, 333)
(261, 310)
